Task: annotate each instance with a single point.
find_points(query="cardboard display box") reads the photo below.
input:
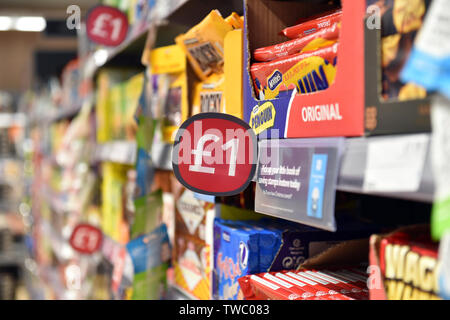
(404, 265)
(289, 114)
(352, 105)
(388, 116)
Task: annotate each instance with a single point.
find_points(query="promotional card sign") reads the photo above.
(215, 154)
(296, 180)
(86, 239)
(107, 26)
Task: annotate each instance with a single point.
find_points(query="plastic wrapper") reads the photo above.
(303, 285)
(235, 21)
(307, 72)
(323, 38)
(204, 43)
(311, 26)
(209, 95)
(400, 22)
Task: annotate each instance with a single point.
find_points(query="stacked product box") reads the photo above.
(309, 284)
(248, 247)
(213, 48)
(192, 251)
(326, 80)
(404, 265)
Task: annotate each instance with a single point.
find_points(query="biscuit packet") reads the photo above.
(209, 95)
(311, 26)
(306, 72)
(236, 21)
(204, 44)
(168, 67)
(314, 41)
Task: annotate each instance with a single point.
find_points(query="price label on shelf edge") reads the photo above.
(215, 154)
(395, 164)
(297, 178)
(106, 25)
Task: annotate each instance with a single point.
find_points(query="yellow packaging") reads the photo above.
(113, 224)
(234, 59)
(204, 43)
(235, 21)
(209, 95)
(132, 6)
(192, 250)
(169, 65)
(102, 106)
(107, 79)
(115, 100)
(133, 90)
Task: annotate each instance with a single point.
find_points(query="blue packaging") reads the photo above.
(150, 250)
(236, 255)
(269, 242)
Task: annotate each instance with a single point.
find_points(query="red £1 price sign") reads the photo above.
(86, 239)
(106, 25)
(215, 154)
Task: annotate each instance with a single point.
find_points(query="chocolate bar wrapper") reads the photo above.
(362, 285)
(346, 287)
(254, 287)
(333, 284)
(310, 293)
(287, 285)
(322, 290)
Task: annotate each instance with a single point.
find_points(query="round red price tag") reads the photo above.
(86, 239)
(106, 25)
(215, 154)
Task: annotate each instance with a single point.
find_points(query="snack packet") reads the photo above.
(235, 21)
(312, 26)
(311, 42)
(307, 72)
(209, 95)
(203, 44)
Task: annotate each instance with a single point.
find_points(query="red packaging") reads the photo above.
(311, 293)
(311, 42)
(308, 72)
(344, 288)
(288, 286)
(312, 26)
(409, 264)
(323, 291)
(346, 277)
(256, 288)
(344, 283)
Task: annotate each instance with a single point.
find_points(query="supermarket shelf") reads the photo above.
(128, 52)
(123, 152)
(162, 156)
(352, 172)
(65, 113)
(10, 119)
(175, 19)
(15, 256)
(61, 114)
(174, 293)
